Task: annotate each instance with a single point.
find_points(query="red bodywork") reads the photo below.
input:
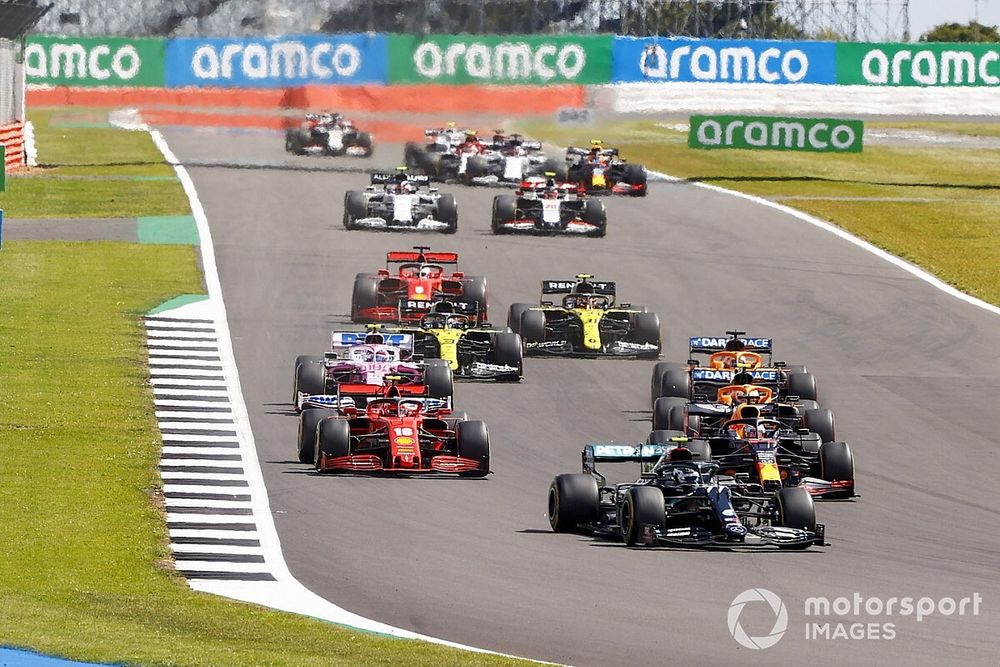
(407, 296)
(388, 438)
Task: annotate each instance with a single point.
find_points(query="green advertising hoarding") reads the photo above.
(814, 135)
(918, 64)
(94, 61)
(504, 59)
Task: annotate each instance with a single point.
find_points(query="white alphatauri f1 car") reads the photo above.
(400, 201)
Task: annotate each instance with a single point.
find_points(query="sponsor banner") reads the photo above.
(918, 64)
(653, 59)
(293, 60)
(817, 135)
(94, 61)
(507, 59)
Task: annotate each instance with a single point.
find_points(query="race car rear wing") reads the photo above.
(392, 177)
(710, 344)
(421, 254)
(606, 287)
(340, 341)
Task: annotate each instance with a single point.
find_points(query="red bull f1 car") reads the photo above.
(394, 435)
(419, 282)
(601, 170)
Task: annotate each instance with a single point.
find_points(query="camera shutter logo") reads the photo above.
(780, 618)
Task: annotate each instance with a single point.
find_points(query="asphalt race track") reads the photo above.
(912, 374)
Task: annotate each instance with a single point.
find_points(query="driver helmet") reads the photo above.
(684, 475)
(408, 408)
(426, 272)
(326, 118)
(382, 355)
(743, 377)
(432, 321)
(456, 321)
(551, 191)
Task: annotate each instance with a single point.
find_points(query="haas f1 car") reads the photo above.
(601, 170)
(328, 134)
(361, 366)
(475, 352)
(587, 322)
(509, 159)
(419, 283)
(541, 206)
(400, 201)
(682, 500)
(728, 356)
(394, 435)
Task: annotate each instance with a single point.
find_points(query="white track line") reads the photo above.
(287, 593)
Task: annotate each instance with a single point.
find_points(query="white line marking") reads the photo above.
(218, 566)
(186, 354)
(168, 451)
(199, 502)
(173, 403)
(201, 463)
(193, 372)
(173, 361)
(168, 475)
(214, 533)
(214, 549)
(186, 382)
(182, 391)
(169, 488)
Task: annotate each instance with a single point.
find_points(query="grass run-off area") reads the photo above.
(85, 567)
(936, 206)
(91, 172)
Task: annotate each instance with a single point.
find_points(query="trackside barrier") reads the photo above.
(12, 141)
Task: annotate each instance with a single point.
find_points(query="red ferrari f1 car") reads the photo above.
(419, 282)
(395, 435)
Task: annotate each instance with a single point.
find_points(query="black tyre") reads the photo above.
(594, 213)
(514, 316)
(308, 423)
(662, 410)
(643, 506)
(293, 142)
(807, 404)
(365, 141)
(678, 418)
(508, 352)
(439, 381)
(333, 439)
(532, 327)
(574, 499)
(557, 167)
(413, 155)
(676, 383)
(647, 330)
(310, 376)
(474, 290)
(802, 385)
(504, 210)
(795, 509)
(820, 421)
(355, 207)
(447, 212)
(475, 167)
(700, 450)
(364, 295)
(659, 368)
(636, 175)
(431, 164)
(474, 443)
(836, 464)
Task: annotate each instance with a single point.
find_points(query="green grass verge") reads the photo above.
(103, 156)
(85, 567)
(946, 219)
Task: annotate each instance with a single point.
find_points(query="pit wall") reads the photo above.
(513, 74)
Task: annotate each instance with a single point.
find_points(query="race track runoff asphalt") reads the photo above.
(912, 374)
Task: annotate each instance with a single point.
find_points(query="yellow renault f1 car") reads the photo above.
(481, 352)
(587, 322)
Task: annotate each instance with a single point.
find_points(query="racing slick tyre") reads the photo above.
(675, 383)
(474, 290)
(836, 464)
(364, 295)
(820, 422)
(802, 385)
(504, 210)
(647, 330)
(595, 214)
(664, 415)
(532, 327)
(806, 404)
(635, 174)
(474, 443)
(659, 369)
(309, 422)
(355, 207)
(514, 315)
(795, 509)
(680, 419)
(557, 167)
(364, 140)
(431, 164)
(293, 142)
(507, 351)
(310, 376)
(643, 506)
(475, 167)
(333, 440)
(413, 155)
(573, 500)
(447, 212)
(439, 381)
